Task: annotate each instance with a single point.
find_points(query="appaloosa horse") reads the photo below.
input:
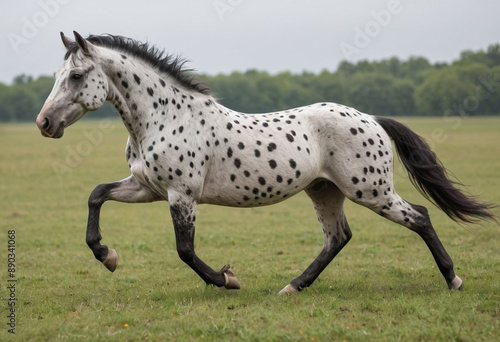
(187, 149)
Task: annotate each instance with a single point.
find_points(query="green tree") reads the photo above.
(41, 87)
(452, 91)
(378, 94)
(328, 87)
(6, 112)
(23, 104)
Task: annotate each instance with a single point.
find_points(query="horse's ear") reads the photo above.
(66, 41)
(86, 47)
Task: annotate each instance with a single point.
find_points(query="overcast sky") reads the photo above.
(220, 36)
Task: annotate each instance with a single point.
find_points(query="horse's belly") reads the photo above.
(242, 191)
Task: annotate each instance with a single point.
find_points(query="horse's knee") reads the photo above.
(101, 194)
(96, 196)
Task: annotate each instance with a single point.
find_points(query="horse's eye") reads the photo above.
(76, 76)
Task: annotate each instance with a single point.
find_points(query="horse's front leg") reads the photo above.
(127, 190)
(183, 211)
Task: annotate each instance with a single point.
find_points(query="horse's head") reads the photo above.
(80, 86)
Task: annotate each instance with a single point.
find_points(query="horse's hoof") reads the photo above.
(456, 284)
(289, 289)
(232, 282)
(111, 260)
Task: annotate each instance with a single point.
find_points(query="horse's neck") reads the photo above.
(144, 98)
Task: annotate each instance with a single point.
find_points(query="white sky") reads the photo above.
(220, 36)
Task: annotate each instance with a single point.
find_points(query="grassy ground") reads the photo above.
(384, 286)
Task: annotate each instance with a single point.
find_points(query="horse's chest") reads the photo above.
(161, 164)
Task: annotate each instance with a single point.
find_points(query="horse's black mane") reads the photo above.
(172, 65)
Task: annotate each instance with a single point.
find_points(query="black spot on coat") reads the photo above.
(137, 79)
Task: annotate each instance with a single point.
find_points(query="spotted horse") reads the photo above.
(186, 148)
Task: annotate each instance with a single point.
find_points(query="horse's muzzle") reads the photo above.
(47, 129)
(46, 126)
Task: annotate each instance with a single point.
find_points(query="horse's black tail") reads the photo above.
(430, 177)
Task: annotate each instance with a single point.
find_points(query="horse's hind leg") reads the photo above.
(416, 218)
(328, 201)
(127, 190)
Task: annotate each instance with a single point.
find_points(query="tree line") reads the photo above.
(468, 86)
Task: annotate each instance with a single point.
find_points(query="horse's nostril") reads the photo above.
(45, 124)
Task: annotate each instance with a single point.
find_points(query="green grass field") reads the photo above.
(384, 286)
